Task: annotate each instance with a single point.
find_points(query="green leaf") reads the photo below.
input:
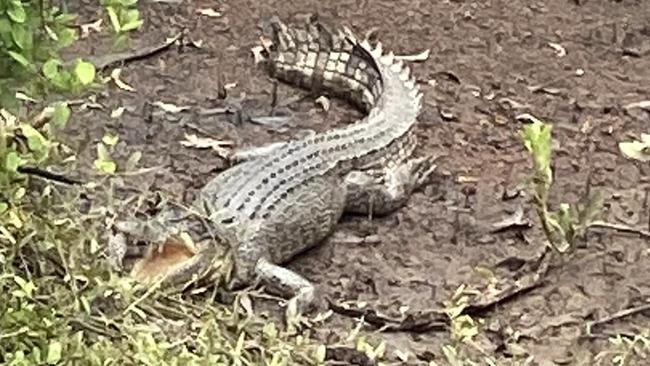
(12, 161)
(17, 13)
(35, 140)
(104, 162)
(102, 152)
(26, 286)
(51, 68)
(54, 352)
(132, 25)
(61, 115)
(66, 37)
(5, 30)
(537, 140)
(18, 57)
(19, 36)
(110, 140)
(85, 72)
(20, 193)
(105, 166)
(115, 21)
(130, 15)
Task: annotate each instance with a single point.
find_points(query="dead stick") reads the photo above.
(619, 227)
(617, 315)
(104, 61)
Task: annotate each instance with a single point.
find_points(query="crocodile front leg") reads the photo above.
(382, 191)
(298, 222)
(286, 283)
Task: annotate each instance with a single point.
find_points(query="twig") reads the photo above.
(617, 315)
(104, 61)
(418, 323)
(620, 227)
(94, 328)
(29, 170)
(524, 285)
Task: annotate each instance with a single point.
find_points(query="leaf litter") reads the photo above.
(192, 140)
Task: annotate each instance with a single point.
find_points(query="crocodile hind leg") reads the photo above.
(298, 222)
(382, 191)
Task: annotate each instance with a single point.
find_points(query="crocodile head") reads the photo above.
(169, 252)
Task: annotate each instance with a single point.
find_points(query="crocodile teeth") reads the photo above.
(405, 74)
(418, 99)
(414, 93)
(377, 51)
(397, 66)
(388, 58)
(366, 45)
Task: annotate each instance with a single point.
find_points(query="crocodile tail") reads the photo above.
(319, 59)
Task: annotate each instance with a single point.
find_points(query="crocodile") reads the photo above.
(278, 200)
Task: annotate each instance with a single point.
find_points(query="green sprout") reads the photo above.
(570, 222)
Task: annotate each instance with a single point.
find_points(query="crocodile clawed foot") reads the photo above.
(420, 169)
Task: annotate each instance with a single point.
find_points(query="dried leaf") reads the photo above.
(422, 56)
(466, 179)
(402, 355)
(324, 102)
(25, 97)
(209, 13)
(636, 150)
(560, 51)
(170, 108)
(8, 119)
(645, 104)
(257, 54)
(320, 317)
(117, 112)
(192, 140)
(115, 75)
(247, 304)
(95, 26)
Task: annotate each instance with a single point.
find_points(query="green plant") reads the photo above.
(63, 305)
(31, 35)
(626, 350)
(123, 14)
(570, 222)
(104, 162)
(463, 330)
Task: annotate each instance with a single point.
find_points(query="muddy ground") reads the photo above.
(490, 61)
